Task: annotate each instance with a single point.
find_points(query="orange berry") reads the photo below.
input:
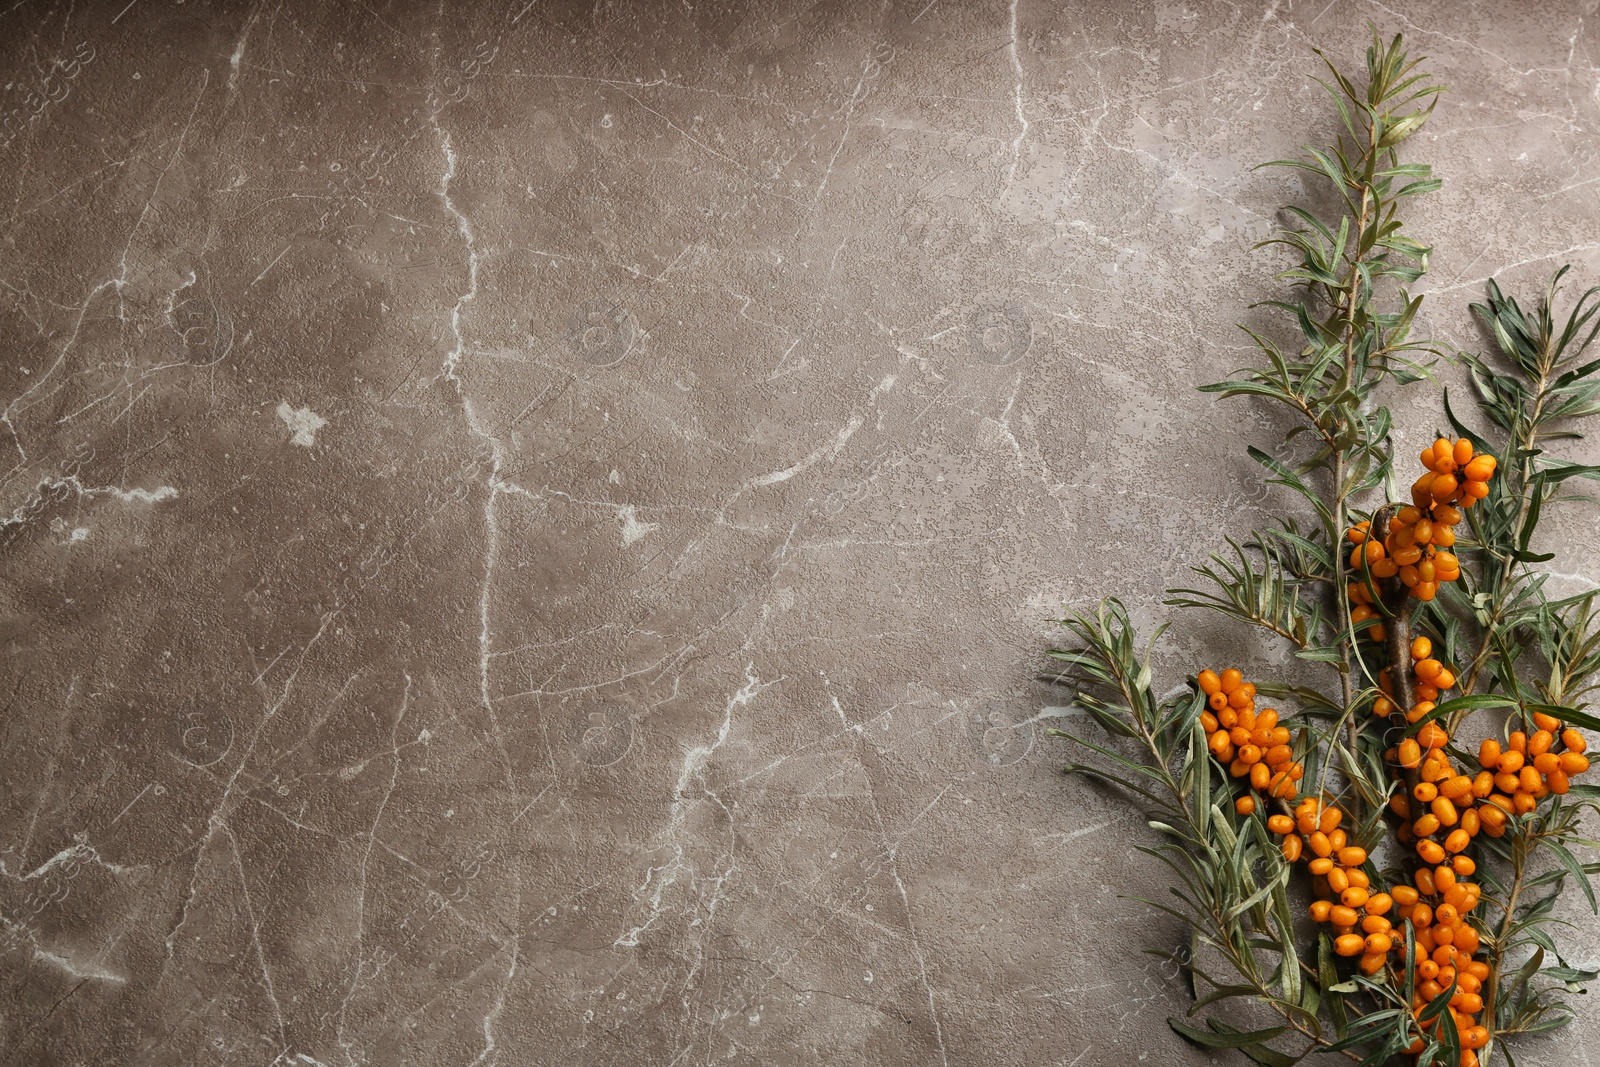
(1230, 680)
(1445, 809)
(1574, 762)
(1291, 847)
(1444, 487)
(1280, 824)
(1547, 722)
(1319, 910)
(1432, 736)
(1350, 945)
(1574, 741)
(1445, 680)
(1430, 850)
(1489, 754)
(1352, 856)
(1410, 752)
(1245, 805)
(1457, 841)
(1480, 469)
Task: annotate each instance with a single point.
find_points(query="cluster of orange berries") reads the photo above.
(1432, 678)
(1416, 547)
(1364, 921)
(1251, 745)
(1512, 781)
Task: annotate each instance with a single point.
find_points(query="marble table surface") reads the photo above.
(528, 530)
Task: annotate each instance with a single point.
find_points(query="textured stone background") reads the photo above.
(530, 527)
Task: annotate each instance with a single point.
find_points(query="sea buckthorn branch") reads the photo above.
(1349, 345)
(1548, 384)
(1432, 880)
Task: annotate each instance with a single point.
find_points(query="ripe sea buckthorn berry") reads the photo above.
(1511, 762)
(1338, 880)
(1208, 722)
(1445, 680)
(1547, 722)
(1245, 805)
(1426, 826)
(1421, 648)
(1573, 740)
(1423, 531)
(1260, 776)
(1280, 824)
(1461, 452)
(1457, 841)
(1383, 707)
(1378, 904)
(1457, 787)
(1489, 754)
(1404, 895)
(1378, 944)
(1352, 856)
(1350, 945)
(1430, 850)
(1546, 762)
(1443, 487)
(1320, 865)
(1574, 762)
(1445, 537)
(1464, 865)
(1231, 679)
(1480, 469)
(1209, 682)
(1518, 742)
(1432, 736)
(1445, 809)
(1482, 784)
(1425, 792)
(1354, 896)
(1320, 844)
(1410, 752)
(1428, 668)
(1407, 557)
(1558, 781)
(1291, 848)
(1319, 910)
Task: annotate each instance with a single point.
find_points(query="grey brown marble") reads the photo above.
(528, 529)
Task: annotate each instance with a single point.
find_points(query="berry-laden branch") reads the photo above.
(1430, 870)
